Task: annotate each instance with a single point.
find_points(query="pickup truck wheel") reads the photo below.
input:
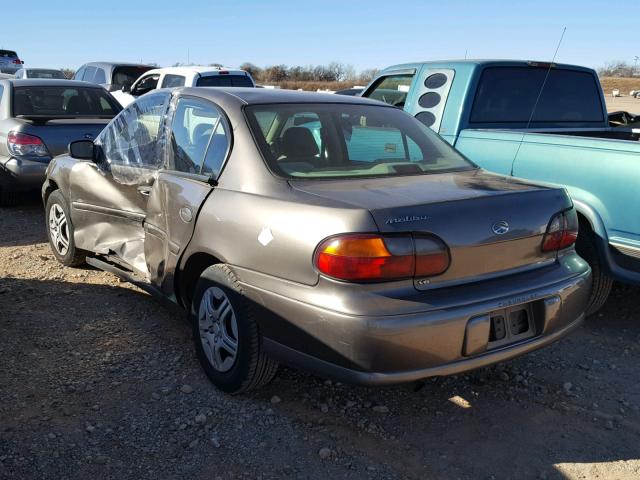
(60, 232)
(601, 286)
(226, 335)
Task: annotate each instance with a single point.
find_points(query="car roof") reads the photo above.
(116, 64)
(251, 96)
(480, 62)
(201, 69)
(49, 82)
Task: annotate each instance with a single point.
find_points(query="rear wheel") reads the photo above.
(602, 283)
(60, 232)
(226, 334)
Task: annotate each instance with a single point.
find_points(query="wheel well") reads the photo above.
(189, 275)
(51, 187)
(584, 223)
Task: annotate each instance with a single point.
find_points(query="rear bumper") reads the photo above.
(400, 348)
(22, 174)
(10, 68)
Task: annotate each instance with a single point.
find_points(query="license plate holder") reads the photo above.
(510, 325)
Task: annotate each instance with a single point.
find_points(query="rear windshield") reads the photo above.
(63, 102)
(42, 73)
(224, 81)
(508, 95)
(127, 75)
(343, 140)
(8, 53)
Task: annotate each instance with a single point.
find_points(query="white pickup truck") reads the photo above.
(192, 76)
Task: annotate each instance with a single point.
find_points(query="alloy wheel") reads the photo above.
(59, 229)
(218, 329)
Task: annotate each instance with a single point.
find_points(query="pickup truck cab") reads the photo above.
(543, 122)
(191, 76)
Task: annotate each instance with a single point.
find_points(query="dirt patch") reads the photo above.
(100, 381)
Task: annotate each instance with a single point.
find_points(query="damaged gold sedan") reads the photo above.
(334, 233)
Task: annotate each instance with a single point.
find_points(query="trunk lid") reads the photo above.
(493, 225)
(57, 134)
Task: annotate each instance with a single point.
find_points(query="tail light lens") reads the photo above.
(24, 145)
(562, 231)
(372, 257)
(18, 61)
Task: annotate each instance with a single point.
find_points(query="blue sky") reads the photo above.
(366, 34)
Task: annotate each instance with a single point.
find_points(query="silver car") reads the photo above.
(9, 61)
(333, 233)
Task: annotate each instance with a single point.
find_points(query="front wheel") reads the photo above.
(226, 334)
(60, 232)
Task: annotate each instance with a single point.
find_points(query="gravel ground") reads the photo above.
(98, 380)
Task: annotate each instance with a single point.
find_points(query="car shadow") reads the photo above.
(24, 223)
(110, 344)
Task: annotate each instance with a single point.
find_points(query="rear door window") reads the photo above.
(224, 81)
(391, 89)
(171, 81)
(509, 94)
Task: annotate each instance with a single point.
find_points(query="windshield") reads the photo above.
(63, 102)
(343, 140)
(224, 81)
(42, 73)
(126, 76)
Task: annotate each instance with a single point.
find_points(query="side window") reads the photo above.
(192, 136)
(391, 89)
(100, 77)
(78, 75)
(170, 81)
(146, 84)
(89, 73)
(130, 142)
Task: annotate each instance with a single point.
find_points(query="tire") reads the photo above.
(60, 232)
(602, 283)
(214, 331)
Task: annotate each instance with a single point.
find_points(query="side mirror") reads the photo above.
(82, 150)
(126, 88)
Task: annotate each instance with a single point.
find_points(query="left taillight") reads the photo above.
(25, 145)
(562, 231)
(379, 258)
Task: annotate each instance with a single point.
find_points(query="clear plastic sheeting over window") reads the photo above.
(131, 144)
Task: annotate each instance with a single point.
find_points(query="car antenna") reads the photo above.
(535, 105)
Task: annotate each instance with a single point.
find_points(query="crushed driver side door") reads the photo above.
(196, 145)
(109, 197)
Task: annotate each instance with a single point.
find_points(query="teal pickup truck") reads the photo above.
(486, 110)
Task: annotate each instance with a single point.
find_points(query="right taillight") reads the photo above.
(562, 231)
(378, 258)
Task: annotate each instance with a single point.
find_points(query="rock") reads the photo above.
(608, 425)
(275, 399)
(504, 376)
(186, 389)
(201, 419)
(90, 428)
(324, 408)
(52, 436)
(193, 443)
(324, 453)
(381, 409)
(215, 441)
(101, 460)
(155, 396)
(567, 386)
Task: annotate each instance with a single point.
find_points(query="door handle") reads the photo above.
(144, 190)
